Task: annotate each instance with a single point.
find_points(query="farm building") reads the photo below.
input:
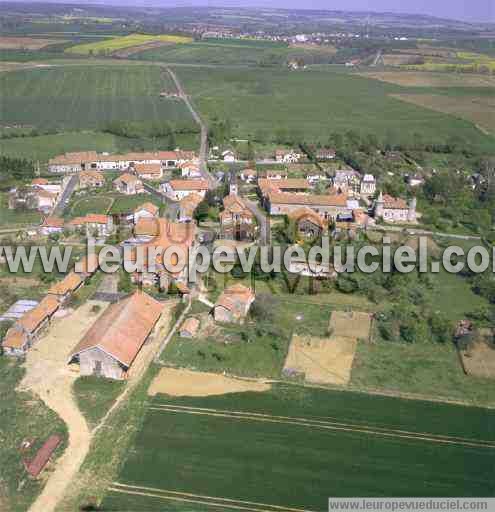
(233, 304)
(190, 170)
(62, 290)
(21, 336)
(328, 206)
(189, 328)
(111, 345)
(35, 466)
(287, 156)
(395, 209)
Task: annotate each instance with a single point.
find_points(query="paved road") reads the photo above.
(265, 231)
(203, 149)
(65, 196)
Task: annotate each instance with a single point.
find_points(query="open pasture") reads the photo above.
(425, 79)
(86, 96)
(290, 448)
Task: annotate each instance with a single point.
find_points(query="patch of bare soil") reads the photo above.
(321, 360)
(479, 360)
(27, 43)
(175, 382)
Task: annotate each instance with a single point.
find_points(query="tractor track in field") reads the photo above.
(328, 425)
(227, 503)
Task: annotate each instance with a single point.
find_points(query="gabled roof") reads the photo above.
(70, 283)
(126, 178)
(189, 184)
(15, 338)
(74, 158)
(52, 222)
(305, 213)
(394, 203)
(90, 218)
(308, 200)
(123, 328)
(147, 226)
(39, 181)
(237, 293)
(33, 318)
(149, 207)
(148, 169)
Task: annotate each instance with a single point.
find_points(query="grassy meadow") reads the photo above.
(227, 456)
(311, 104)
(76, 97)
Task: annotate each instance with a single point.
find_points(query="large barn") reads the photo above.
(111, 345)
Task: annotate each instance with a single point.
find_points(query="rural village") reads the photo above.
(243, 129)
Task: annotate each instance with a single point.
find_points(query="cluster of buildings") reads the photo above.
(40, 195)
(146, 162)
(28, 328)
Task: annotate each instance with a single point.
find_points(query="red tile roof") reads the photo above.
(123, 328)
(394, 203)
(35, 466)
(189, 184)
(308, 200)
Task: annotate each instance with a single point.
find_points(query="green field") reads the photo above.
(312, 104)
(87, 97)
(295, 447)
(24, 416)
(233, 53)
(15, 218)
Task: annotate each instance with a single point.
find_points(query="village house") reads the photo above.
(32, 198)
(275, 174)
(368, 185)
(72, 162)
(93, 224)
(187, 207)
(325, 154)
(293, 185)
(327, 206)
(179, 237)
(249, 175)
(146, 227)
(148, 171)
(228, 156)
(189, 328)
(90, 160)
(307, 222)
(51, 225)
(23, 334)
(112, 343)
(190, 169)
(237, 222)
(233, 304)
(287, 156)
(43, 184)
(394, 209)
(128, 184)
(63, 290)
(145, 211)
(347, 181)
(178, 189)
(91, 179)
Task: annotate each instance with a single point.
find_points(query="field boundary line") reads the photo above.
(363, 429)
(227, 501)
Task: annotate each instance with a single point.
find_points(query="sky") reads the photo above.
(467, 10)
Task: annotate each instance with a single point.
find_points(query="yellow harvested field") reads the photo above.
(321, 360)
(119, 43)
(425, 79)
(175, 382)
(350, 324)
(26, 43)
(480, 110)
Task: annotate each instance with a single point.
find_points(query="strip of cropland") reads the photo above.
(271, 104)
(75, 97)
(290, 448)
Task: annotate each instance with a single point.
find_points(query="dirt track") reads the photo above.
(49, 376)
